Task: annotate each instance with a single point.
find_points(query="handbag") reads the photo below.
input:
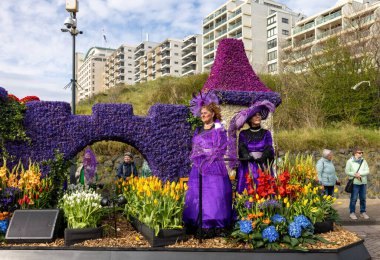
(350, 183)
(349, 186)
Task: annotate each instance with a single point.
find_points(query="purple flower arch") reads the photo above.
(163, 137)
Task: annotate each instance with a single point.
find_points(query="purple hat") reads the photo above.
(202, 99)
(240, 118)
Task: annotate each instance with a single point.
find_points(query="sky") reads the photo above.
(36, 57)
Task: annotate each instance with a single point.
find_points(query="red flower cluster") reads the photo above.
(13, 97)
(283, 183)
(24, 200)
(266, 184)
(29, 98)
(249, 183)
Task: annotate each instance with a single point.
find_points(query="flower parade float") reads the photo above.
(275, 217)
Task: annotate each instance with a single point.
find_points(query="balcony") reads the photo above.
(208, 29)
(188, 43)
(329, 17)
(207, 61)
(207, 40)
(208, 50)
(360, 22)
(220, 11)
(218, 34)
(303, 28)
(305, 41)
(234, 14)
(217, 24)
(329, 32)
(187, 62)
(232, 27)
(208, 19)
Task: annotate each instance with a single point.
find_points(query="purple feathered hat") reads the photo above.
(202, 99)
(263, 107)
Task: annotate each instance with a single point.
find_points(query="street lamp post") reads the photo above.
(71, 27)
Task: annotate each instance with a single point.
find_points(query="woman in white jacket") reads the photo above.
(357, 169)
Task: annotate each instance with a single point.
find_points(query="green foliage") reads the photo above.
(11, 127)
(59, 170)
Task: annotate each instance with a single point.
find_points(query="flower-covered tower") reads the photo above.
(234, 81)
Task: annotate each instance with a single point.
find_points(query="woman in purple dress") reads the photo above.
(255, 144)
(209, 147)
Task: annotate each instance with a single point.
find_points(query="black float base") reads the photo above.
(164, 238)
(77, 235)
(351, 252)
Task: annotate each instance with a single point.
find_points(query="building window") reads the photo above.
(271, 32)
(176, 62)
(175, 54)
(93, 83)
(285, 20)
(129, 50)
(285, 32)
(272, 43)
(272, 55)
(272, 67)
(175, 45)
(176, 71)
(271, 20)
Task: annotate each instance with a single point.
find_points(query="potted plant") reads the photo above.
(155, 209)
(82, 211)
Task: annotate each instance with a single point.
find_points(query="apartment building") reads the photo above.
(246, 20)
(140, 58)
(279, 26)
(161, 60)
(192, 55)
(346, 19)
(90, 72)
(119, 67)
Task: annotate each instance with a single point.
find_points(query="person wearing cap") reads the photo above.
(255, 145)
(127, 168)
(358, 170)
(326, 172)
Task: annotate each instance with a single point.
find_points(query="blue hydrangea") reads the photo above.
(245, 226)
(277, 218)
(302, 221)
(270, 233)
(294, 230)
(3, 226)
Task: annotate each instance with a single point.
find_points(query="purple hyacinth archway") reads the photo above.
(163, 137)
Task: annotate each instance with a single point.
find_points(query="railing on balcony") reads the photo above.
(237, 12)
(231, 27)
(207, 19)
(220, 22)
(207, 61)
(208, 50)
(304, 41)
(361, 21)
(219, 12)
(329, 17)
(207, 40)
(188, 43)
(221, 33)
(208, 29)
(303, 28)
(329, 32)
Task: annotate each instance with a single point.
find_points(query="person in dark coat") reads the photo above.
(127, 168)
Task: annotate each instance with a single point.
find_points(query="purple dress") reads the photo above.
(209, 147)
(255, 144)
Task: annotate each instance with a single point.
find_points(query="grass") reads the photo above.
(172, 90)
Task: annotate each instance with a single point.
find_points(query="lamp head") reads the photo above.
(70, 22)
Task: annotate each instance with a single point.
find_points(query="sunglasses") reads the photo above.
(359, 152)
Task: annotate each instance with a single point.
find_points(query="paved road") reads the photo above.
(371, 236)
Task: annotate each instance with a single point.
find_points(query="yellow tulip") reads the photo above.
(257, 196)
(286, 200)
(155, 202)
(288, 205)
(336, 190)
(250, 199)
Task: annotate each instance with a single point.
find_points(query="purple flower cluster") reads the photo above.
(231, 69)
(245, 226)
(248, 204)
(8, 198)
(269, 204)
(163, 137)
(3, 94)
(270, 233)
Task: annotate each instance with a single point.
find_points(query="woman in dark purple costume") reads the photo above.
(209, 147)
(255, 143)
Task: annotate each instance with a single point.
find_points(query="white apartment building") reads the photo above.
(346, 18)
(192, 55)
(90, 73)
(245, 20)
(141, 50)
(162, 60)
(119, 67)
(279, 26)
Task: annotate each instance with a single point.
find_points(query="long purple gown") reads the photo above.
(255, 143)
(209, 147)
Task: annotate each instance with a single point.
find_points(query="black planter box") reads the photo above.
(164, 238)
(77, 235)
(323, 227)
